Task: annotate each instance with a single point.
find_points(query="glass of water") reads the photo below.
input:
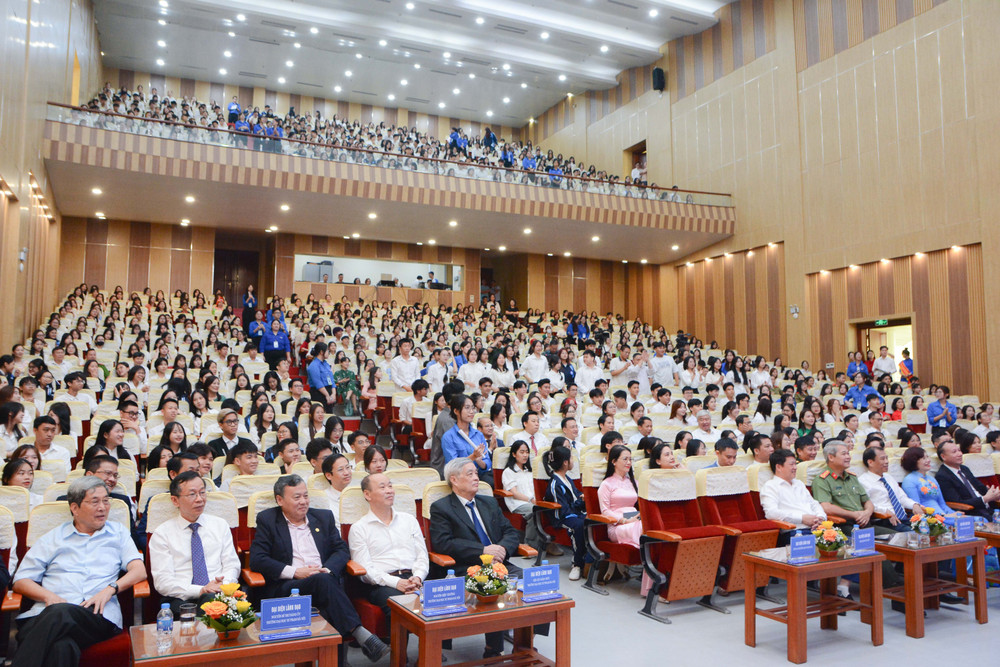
(511, 589)
(187, 614)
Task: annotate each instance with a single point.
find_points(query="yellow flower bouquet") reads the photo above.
(935, 521)
(228, 612)
(487, 580)
(829, 539)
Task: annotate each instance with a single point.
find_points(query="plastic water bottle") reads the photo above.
(164, 628)
(925, 532)
(295, 593)
(450, 575)
(996, 516)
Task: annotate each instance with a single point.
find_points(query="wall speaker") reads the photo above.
(659, 79)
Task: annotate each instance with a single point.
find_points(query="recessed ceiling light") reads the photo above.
(690, 264)
(420, 242)
(189, 199)
(416, 65)
(403, 82)
(480, 20)
(355, 235)
(97, 191)
(232, 34)
(566, 254)
(489, 114)
(358, 56)
(347, 238)
(281, 79)
(391, 97)
(160, 43)
(548, 254)
(241, 17)
(268, 230)
(624, 261)
(222, 71)
(164, 3)
(274, 228)
(99, 214)
(372, 216)
(562, 77)
(506, 67)
(337, 89)
(544, 35)
(642, 261)
(447, 54)
(595, 239)
(162, 22)
(455, 91)
(348, 73)
(453, 223)
(471, 75)
(159, 61)
(441, 105)
(486, 249)
(314, 30)
(502, 248)
(289, 63)
(185, 222)
(228, 54)
(409, 5)
(382, 42)
(524, 85)
(604, 48)
(675, 247)
(297, 45)
(527, 230)
(285, 207)
(653, 13)
(431, 241)
(749, 253)
(506, 100)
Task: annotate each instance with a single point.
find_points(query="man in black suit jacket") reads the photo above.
(455, 533)
(315, 567)
(229, 422)
(959, 485)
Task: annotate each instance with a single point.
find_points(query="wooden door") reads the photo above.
(234, 270)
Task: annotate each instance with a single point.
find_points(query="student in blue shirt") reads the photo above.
(258, 326)
(462, 440)
(234, 111)
(73, 575)
(275, 346)
(857, 366)
(942, 413)
(859, 393)
(555, 176)
(321, 377)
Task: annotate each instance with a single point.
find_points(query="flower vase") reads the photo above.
(486, 599)
(824, 553)
(227, 634)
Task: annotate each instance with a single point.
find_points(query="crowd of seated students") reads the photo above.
(182, 380)
(485, 157)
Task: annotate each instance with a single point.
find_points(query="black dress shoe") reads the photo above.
(901, 608)
(491, 653)
(951, 598)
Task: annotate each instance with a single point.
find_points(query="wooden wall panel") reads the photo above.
(943, 293)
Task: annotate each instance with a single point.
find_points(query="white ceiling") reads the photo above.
(500, 43)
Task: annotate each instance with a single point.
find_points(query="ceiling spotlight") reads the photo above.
(675, 247)
(358, 56)
(382, 42)
(749, 253)
(431, 241)
(403, 82)
(189, 199)
(160, 43)
(314, 30)
(416, 65)
(548, 254)
(562, 77)
(241, 17)
(162, 22)
(289, 63)
(725, 254)
(455, 91)
(222, 71)
(642, 261)
(164, 3)
(297, 45)
(185, 222)
(502, 248)
(527, 230)
(96, 191)
(690, 264)
(281, 79)
(471, 75)
(274, 228)
(337, 89)
(954, 247)
(506, 100)
(653, 13)
(486, 249)
(885, 261)
(595, 239)
(231, 33)
(347, 238)
(285, 207)
(409, 5)
(228, 54)
(159, 61)
(268, 230)
(480, 20)
(447, 55)
(355, 235)
(348, 73)
(853, 266)
(771, 244)
(624, 261)
(99, 214)
(372, 216)
(544, 35)
(604, 48)
(453, 223)
(489, 114)
(391, 97)
(441, 105)
(506, 67)
(524, 85)
(566, 254)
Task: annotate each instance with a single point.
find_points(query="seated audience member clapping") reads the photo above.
(465, 441)
(192, 554)
(73, 574)
(785, 498)
(518, 481)
(299, 547)
(959, 485)
(388, 544)
(885, 493)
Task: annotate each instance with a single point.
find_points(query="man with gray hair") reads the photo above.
(299, 547)
(705, 432)
(73, 573)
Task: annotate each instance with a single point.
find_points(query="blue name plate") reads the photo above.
(542, 579)
(864, 541)
(965, 529)
(286, 613)
(287, 634)
(802, 549)
(439, 593)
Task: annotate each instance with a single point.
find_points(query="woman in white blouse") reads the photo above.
(472, 371)
(11, 425)
(690, 375)
(714, 374)
(517, 479)
(501, 373)
(760, 377)
(738, 376)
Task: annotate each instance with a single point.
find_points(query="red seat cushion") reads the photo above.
(112, 652)
(753, 526)
(698, 532)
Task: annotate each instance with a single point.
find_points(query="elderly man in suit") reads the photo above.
(959, 485)
(299, 547)
(465, 526)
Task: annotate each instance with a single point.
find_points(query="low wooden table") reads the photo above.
(920, 580)
(200, 645)
(479, 619)
(774, 563)
(991, 533)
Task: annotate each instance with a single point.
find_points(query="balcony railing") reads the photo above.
(328, 151)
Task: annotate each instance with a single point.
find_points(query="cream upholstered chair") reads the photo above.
(244, 486)
(696, 463)
(49, 515)
(161, 509)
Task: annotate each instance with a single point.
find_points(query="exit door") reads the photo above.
(234, 270)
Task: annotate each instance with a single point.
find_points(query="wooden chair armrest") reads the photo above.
(881, 515)
(662, 536)
(835, 519)
(526, 551)
(500, 493)
(12, 603)
(354, 569)
(600, 518)
(961, 507)
(546, 505)
(253, 579)
(440, 559)
(729, 530)
(141, 589)
(784, 525)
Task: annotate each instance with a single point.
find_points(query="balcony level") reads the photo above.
(150, 170)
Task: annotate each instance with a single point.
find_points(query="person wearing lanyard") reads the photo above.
(275, 346)
(462, 440)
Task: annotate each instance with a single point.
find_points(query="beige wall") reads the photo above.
(38, 43)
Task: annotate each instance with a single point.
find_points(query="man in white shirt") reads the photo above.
(621, 366)
(545, 394)
(192, 554)
(662, 367)
(530, 433)
(588, 374)
(388, 544)
(705, 432)
(884, 364)
(404, 369)
(128, 415)
(169, 414)
(876, 420)
(884, 492)
(645, 425)
(45, 432)
(785, 498)
(73, 383)
(605, 424)
(437, 370)
(663, 401)
(58, 365)
(420, 389)
(571, 431)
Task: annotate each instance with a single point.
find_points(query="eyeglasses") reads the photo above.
(231, 421)
(195, 494)
(131, 413)
(104, 473)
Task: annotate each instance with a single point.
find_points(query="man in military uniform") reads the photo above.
(841, 494)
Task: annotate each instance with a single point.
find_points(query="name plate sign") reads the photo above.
(802, 549)
(864, 541)
(541, 583)
(444, 596)
(285, 618)
(965, 529)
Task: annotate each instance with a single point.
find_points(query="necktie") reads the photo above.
(199, 571)
(534, 450)
(480, 531)
(968, 484)
(897, 507)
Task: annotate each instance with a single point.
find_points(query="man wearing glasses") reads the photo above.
(192, 554)
(128, 412)
(105, 468)
(229, 421)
